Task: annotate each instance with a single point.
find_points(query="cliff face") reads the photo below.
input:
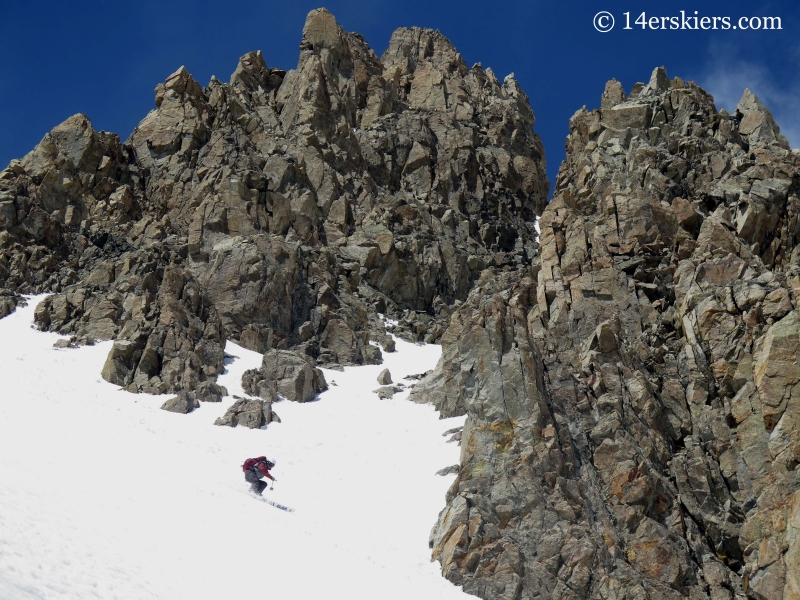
(282, 210)
(633, 395)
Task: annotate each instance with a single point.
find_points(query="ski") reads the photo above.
(276, 505)
(272, 502)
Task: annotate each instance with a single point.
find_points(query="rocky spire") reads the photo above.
(757, 123)
(282, 210)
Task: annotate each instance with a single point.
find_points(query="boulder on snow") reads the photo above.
(65, 343)
(387, 392)
(184, 403)
(248, 413)
(289, 374)
(385, 378)
(209, 391)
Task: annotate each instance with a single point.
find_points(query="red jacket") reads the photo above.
(260, 466)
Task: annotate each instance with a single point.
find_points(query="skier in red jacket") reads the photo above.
(256, 468)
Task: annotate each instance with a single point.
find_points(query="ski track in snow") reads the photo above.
(104, 495)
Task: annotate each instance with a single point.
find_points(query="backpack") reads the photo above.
(252, 463)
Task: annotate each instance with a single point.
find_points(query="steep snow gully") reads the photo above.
(104, 495)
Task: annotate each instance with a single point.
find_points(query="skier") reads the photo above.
(256, 468)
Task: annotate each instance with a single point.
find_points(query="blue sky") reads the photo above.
(104, 58)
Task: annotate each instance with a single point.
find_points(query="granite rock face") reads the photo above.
(632, 395)
(283, 210)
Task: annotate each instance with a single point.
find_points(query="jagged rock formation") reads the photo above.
(283, 210)
(633, 395)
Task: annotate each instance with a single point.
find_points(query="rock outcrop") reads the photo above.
(283, 209)
(286, 374)
(248, 413)
(632, 394)
(184, 403)
(9, 302)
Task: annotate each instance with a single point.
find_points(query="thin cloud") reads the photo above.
(725, 76)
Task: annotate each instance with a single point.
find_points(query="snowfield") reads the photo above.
(104, 495)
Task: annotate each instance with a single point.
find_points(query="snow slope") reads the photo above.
(104, 495)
